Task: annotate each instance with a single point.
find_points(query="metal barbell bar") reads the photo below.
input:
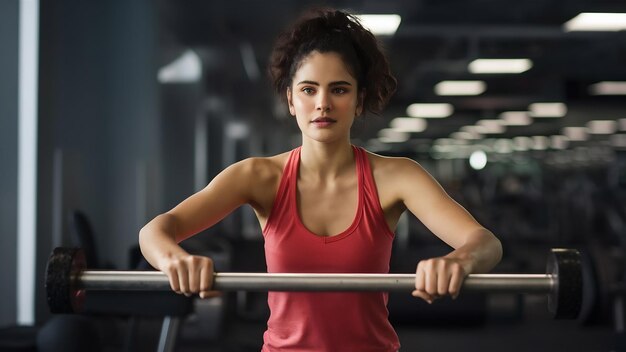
(157, 281)
(67, 282)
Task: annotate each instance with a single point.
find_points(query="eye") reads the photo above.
(308, 90)
(340, 90)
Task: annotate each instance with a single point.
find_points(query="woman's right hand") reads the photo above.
(190, 274)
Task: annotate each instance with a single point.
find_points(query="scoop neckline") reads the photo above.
(359, 210)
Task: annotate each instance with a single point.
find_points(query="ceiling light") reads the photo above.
(516, 118)
(185, 69)
(470, 129)
(430, 110)
(460, 87)
(547, 109)
(522, 143)
(590, 21)
(380, 24)
(608, 88)
(602, 126)
(465, 135)
(491, 126)
(500, 65)
(408, 124)
(478, 160)
(503, 146)
(389, 135)
(558, 142)
(576, 133)
(450, 142)
(540, 142)
(237, 130)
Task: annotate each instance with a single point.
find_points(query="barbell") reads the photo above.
(67, 282)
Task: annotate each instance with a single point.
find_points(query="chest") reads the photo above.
(327, 209)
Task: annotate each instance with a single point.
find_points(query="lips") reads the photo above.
(324, 120)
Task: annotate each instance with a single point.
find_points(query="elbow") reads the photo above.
(498, 252)
(163, 223)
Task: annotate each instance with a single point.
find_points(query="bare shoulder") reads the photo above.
(260, 178)
(262, 169)
(394, 167)
(399, 177)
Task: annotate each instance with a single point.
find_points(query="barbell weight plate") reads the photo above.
(62, 292)
(565, 301)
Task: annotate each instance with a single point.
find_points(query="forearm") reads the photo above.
(480, 253)
(157, 240)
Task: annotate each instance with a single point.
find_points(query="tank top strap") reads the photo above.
(291, 168)
(371, 202)
(282, 206)
(365, 174)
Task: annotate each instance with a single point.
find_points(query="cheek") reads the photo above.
(300, 104)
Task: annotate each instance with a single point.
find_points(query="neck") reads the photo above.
(326, 160)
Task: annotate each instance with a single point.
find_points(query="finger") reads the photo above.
(174, 282)
(431, 282)
(420, 279)
(423, 295)
(183, 278)
(206, 278)
(194, 276)
(456, 281)
(443, 283)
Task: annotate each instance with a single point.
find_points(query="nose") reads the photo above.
(323, 102)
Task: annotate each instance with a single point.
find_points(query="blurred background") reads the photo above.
(112, 112)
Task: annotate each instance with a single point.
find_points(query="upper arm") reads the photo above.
(230, 189)
(426, 199)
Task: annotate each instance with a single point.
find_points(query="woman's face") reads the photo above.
(324, 97)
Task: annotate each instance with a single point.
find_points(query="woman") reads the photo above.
(327, 206)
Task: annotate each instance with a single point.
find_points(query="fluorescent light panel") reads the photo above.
(500, 65)
(460, 87)
(540, 142)
(516, 118)
(596, 21)
(389, 135)
(522, 143)
(489, 126)
(608, 88)
(559, 142)
(547, 109)
(380, 24)
(465, 135)
(576, 133)
(602, 126)
(408, 124)
(503, 146)
(430, 110)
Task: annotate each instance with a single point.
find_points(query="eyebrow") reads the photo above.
(336, 83)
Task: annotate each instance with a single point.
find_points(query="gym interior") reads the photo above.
(112, 112)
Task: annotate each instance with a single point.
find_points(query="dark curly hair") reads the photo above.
(328, 30)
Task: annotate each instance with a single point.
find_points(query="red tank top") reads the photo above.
(328, 321)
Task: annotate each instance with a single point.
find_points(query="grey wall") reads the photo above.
(99, 125)
(8, 158)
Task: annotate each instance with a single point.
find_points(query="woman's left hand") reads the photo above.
(438, 277)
